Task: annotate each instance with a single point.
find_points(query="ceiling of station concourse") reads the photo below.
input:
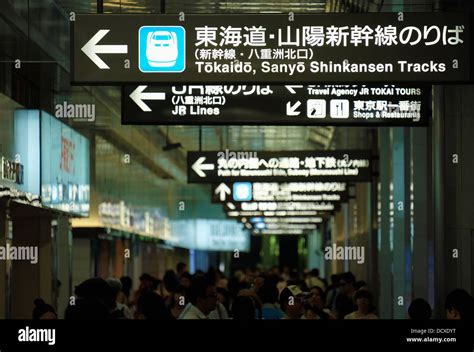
(196, 6)
(215, 137)
(231, 137)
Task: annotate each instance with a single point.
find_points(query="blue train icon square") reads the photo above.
(242, 191)
(162, 49)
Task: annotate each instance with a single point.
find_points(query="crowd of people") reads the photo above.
(249, 294)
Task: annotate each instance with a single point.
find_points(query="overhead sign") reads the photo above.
(286, 223)
(234, 214)
(280, 206)
(27, 139)
(271, 48)
(209, 235)
(65, 167)
(270, 232)
(140, 220)
(56, 160)
(291, 220)
(277, 229)
(261, 226)
(278, 223)
(276, 105)
(280, 226)
(280, 192)
(284, 166)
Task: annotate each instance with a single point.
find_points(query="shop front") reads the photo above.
(35, 236)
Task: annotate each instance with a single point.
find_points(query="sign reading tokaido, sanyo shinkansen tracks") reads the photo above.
(372, 105)
(284, 166)
(271, 48)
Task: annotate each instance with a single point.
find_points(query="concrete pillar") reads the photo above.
(438, 216)
(371, 253)
(385, 252)
(136, 262)
(267, 254)
(466, 226)
(5, 265)
(103, 258)
(81, 261)
(346, 229)
(119, 258)
(457, 167)
(401, 230)
(421, 178)
(128, 261)
(315, 255)
(32, 227)
(64, 263)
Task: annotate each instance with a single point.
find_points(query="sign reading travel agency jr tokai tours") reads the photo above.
(271, 48)
(374, 105)
(284, 166)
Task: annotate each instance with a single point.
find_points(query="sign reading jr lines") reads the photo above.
(374, 105)
(263, 48)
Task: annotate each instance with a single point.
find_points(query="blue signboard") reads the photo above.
(54, 161)
(26, 151)
(65, 167)
(209, 235)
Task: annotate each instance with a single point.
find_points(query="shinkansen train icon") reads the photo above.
(162, 49)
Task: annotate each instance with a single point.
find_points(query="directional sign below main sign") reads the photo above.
(275, 230)
(273, 214)
(288, 220)
(282, 225)
(280, 192)
(374, 105)
(269, 232)
(281, 206)
(285, 166)
(271, 48)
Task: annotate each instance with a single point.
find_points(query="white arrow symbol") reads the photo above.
(222, 190)
(291, 109)
(138, 96)
(292, 90)
(91, 49)
(198, 166)
(231, 206)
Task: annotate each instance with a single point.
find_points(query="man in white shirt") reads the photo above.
(202, 300)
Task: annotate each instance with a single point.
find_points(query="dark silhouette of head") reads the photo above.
(202, 294)
(181, 268)
(152, 306)
(87, 309)
(419, 309)
(43, 310)
(126, 285)
(243, 308)
(459, 305)
(269, 293)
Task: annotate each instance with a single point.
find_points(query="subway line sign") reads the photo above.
(284, 166)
